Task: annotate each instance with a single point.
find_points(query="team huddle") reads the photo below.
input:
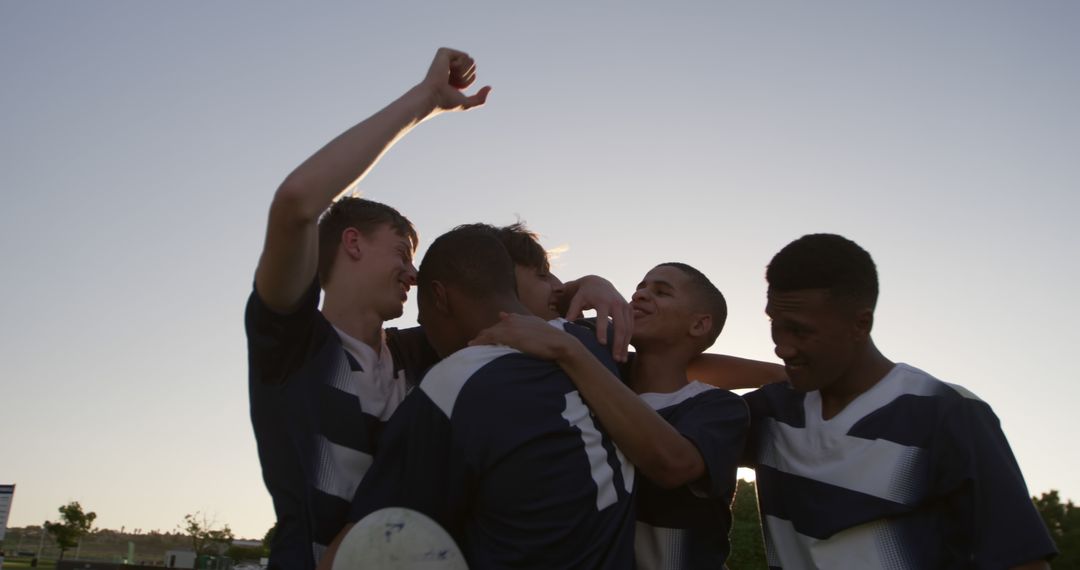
(537, 439)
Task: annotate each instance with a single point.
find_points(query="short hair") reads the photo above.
(523, 246)
(364, 216)
(471, 258)
(825, 261)
(710, 298)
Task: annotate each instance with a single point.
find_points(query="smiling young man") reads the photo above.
(322, 382)
(866, 463)
(685, 437)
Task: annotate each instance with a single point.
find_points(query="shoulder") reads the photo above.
(779, 401)
(695, 395)
(444, 382)
(909, 387)
(587, 336)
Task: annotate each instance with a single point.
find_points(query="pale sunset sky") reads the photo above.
(141, 143)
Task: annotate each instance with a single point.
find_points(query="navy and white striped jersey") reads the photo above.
(499, 448)
(687, 527)
(914, 473)
(318, 401)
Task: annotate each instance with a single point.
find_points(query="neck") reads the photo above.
(661, 370)
(864, 373)
(360, 322)
(481, 314)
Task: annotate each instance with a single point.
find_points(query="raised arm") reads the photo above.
(290, 253)
(657, 450)
(733, 373)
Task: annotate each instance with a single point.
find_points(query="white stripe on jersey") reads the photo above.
(339, 469)
(444, 381)
(823, 450)
(902, 380)
(579, 416)
(872, 466)
(871, 545)
(375, 385)
(659, 400)
(659, 548)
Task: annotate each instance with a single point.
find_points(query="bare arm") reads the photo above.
(657, 450)
(732, 372)
(327, 560)
(290, 253)
(595, 292)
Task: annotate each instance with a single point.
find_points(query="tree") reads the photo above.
(74, 524)
(1063, 521)
(268, 539)
(205, 539)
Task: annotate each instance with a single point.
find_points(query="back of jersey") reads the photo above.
(546, 486)
(500, 450)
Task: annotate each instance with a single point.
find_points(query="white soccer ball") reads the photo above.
(396, 538)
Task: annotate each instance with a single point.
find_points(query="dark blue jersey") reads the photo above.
(687, 527)
(499, 449)
(914, 473)
(318, 401)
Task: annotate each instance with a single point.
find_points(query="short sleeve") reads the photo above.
(986, 491)
(716, 423)
(279, 343)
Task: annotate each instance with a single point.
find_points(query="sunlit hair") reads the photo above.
(471, 258)
(708, 298)
(825, 261)
(363, 215)
(523, 246)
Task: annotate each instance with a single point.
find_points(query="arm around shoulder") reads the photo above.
(657, 450)
(733, 373)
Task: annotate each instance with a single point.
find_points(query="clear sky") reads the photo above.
(141, 143)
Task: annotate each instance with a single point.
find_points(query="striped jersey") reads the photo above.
(499, 448)
(913, 473)
(687, 527)
(318, 401)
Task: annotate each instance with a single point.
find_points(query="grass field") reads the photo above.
(11, 563)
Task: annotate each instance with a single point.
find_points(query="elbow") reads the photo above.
(293, 202)
(675, 470)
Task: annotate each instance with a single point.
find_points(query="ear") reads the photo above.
(440, 296)
(353, 243)
(701, 325)
(863, 323)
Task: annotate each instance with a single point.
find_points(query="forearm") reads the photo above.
(313, 185)
(657, 450)
(732, 372)
(570, 288)
(327, 560)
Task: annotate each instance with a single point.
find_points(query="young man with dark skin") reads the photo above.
(862, 462)
(684, 436)
(496, 446)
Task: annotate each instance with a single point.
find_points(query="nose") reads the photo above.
(557, 287)
(639, 295)
(410, 275)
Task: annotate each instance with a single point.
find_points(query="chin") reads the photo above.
(392, 313)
